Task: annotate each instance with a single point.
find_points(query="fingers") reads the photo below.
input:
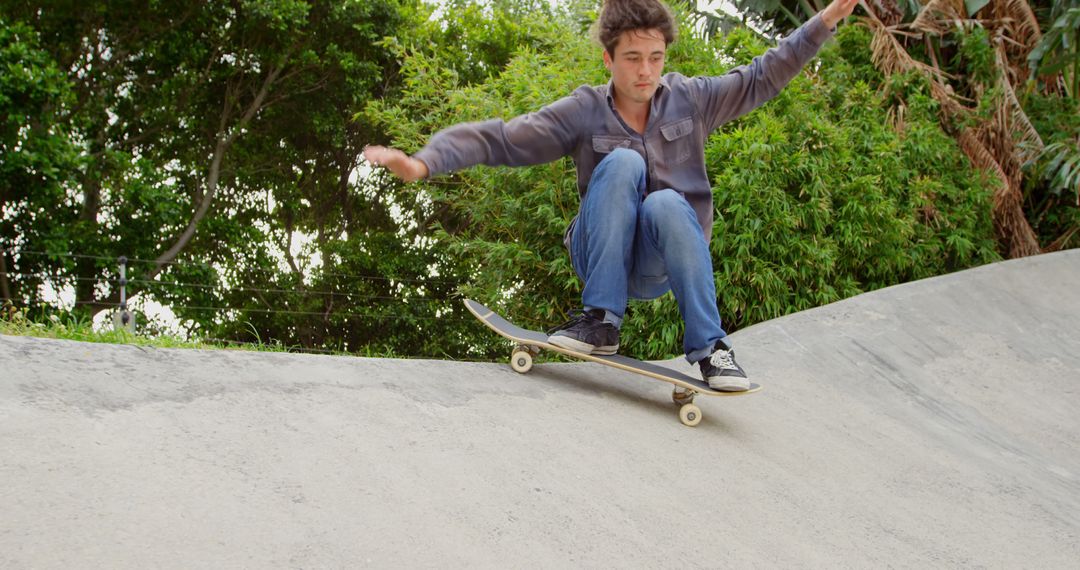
(380, 155)
(397, 162)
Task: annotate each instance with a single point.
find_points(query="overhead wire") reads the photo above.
(324, 314)
(352, 295)
(115, 259)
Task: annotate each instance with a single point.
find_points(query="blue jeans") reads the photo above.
(629, 245)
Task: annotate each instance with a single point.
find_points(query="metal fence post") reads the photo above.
(124, 319)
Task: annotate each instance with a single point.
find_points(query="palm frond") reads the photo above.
(983, 159)
(1030, 141)
(1009, 220)
(890, 57)
(1020, 20)
(888, 11)
(940, 16)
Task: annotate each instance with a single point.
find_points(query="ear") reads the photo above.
(607, 59)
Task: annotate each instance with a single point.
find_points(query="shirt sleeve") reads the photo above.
(533, 138)
(745, 88)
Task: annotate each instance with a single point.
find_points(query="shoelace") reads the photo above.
(724, 359)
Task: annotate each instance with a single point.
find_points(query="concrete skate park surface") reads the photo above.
(932, 424)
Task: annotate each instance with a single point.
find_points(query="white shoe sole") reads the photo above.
(575, 345)
(728, 384)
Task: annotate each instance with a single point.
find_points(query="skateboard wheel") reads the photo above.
(521, 361)
(690, 415)
(681, 397)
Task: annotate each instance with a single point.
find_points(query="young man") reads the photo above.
(638, 144)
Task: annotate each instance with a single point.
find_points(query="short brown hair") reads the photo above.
(619, 16)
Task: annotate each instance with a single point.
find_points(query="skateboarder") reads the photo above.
(646, 212)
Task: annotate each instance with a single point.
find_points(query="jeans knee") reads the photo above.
(622, 166)
(618, 181)
(670, 220)
(668, 209)
(624, 159)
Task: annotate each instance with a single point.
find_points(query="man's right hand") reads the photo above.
(400, 164)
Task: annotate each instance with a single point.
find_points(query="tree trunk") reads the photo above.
(225, 137)
(5, 289)
(222, 145)
(86, 275)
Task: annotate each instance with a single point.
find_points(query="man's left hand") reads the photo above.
(837, 11)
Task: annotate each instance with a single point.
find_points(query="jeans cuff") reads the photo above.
(697, 355)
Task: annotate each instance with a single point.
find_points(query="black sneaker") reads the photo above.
(722, 373)
(587, 333)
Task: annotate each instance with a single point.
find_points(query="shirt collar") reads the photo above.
(663, 86)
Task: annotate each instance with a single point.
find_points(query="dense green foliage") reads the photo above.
(207, 141)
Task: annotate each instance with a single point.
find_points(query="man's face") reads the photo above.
(637, 64)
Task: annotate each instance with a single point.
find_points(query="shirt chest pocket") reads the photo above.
(603, 144)
(678, 144)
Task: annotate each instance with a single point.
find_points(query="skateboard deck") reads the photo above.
(530, 342)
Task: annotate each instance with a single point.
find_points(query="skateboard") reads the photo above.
(530, 342)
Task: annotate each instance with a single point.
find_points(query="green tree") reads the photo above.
(201, 139)
(37, 156)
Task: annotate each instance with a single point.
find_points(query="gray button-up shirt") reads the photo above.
(585, 125)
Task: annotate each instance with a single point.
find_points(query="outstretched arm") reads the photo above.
(533, 138)
(745, 88)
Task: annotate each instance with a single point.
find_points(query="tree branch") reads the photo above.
(288, 247)
(223, 143)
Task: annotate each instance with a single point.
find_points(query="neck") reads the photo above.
(634, 114)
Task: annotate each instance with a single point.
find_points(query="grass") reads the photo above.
(16, 323)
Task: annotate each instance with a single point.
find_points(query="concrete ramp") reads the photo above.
(933, 424)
